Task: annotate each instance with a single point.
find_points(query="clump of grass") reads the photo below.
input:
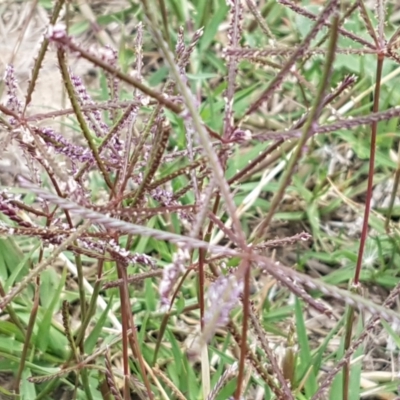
(142, 258)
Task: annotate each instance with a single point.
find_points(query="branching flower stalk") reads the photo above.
(58, 35)
(137, 152)
(173, 167)
(344, 32)
(263, 263)
(276, 82)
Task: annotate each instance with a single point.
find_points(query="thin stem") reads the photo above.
(245, 323)
(29, 331)
(154, 162)
(138, 149)
(106, 139)
(118, 74)
(125, 311)
(202, 256)
(374, 126)
(164, 15)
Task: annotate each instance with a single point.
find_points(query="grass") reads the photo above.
(212, 211)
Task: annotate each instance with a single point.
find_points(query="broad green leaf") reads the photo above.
(176, 352)
(17, 271)
(213, 25)
(356, 368)
(150, 295)
(27, 389)
(94, 335)
(306, 362)
(44, 335)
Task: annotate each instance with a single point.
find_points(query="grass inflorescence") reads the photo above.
(213, 214)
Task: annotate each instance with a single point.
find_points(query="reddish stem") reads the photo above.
(374, 126)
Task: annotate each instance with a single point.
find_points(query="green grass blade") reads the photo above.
(94, 335)
(306, 361)
(44, 335)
